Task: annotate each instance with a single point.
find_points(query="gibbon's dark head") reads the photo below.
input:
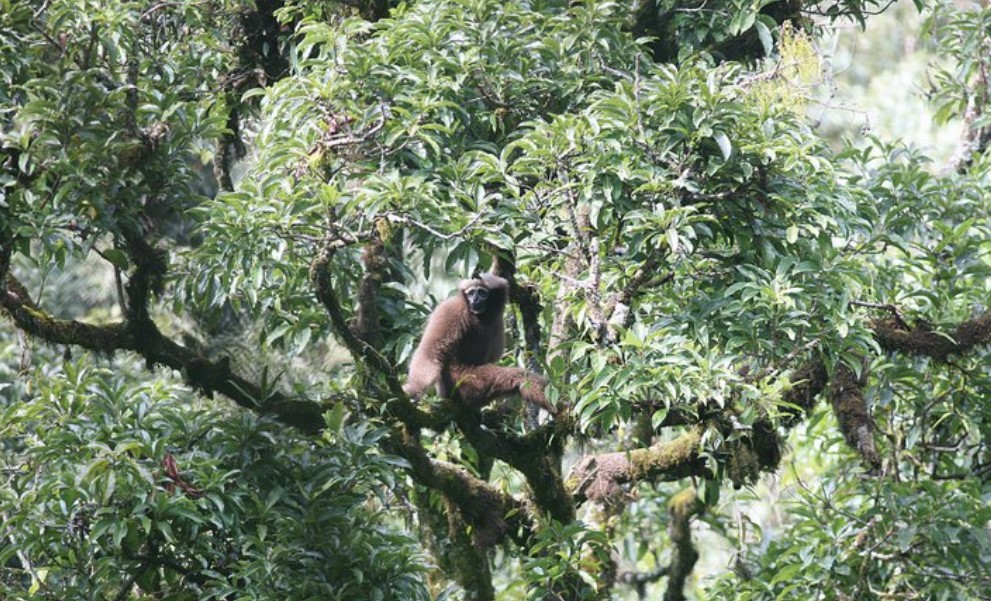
(485, 294)
(478, 299)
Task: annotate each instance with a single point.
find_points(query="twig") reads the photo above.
(41, 9)
(162, 5)
(767, 371)
(407, 220)
(349, 139)
(617, 73)
(125, 588)
(885, 306)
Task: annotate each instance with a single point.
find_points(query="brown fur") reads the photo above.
(458, 348)
(479, 384)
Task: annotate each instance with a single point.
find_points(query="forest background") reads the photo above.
(748, 245)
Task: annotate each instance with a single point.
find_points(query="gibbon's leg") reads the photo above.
(478, 385)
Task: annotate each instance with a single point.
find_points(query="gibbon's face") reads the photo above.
(478, 299)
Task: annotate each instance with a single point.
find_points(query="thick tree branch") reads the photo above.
(846, 393)
(639, 580)
(374, 259)
(147, 341)
(683, 507)
(536, 455)
(601, 477)
(924, 340)
(150, 267)
(492, 513)
(230, 148)
(445, 532)
(5, 253)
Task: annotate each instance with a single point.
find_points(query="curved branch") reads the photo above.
(536, 455)
(640, 580)
(492, 513)
(320, 276)
(364, 353)
(147, 341)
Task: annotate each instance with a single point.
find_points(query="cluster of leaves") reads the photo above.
(563, 562)
(962, 34)
(929, 257)
(111, 116)
(848, 540)
(91, 507)
(735, 202)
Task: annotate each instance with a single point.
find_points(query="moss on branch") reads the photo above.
(809, 381)
(846, 393)
(492, 513)
(601, 477)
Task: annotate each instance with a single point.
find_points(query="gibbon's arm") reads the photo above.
(478, 385)
(436, 349)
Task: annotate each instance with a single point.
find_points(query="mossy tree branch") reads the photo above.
(146, 340)
(602, 477)
(846, 393)
(494, 512)
(809, 380)
(894, 335)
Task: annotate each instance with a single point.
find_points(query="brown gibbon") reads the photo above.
(464, 337)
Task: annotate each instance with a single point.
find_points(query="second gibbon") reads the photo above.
(463, 338)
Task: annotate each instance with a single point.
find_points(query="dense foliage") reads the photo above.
(99, 498)
(743, 328)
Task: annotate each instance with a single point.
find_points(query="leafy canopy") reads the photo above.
(263, 201)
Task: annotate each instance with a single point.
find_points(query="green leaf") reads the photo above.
(335, 418)
(764, 34)
(791, 234)
(725, 146)
(117, 257)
